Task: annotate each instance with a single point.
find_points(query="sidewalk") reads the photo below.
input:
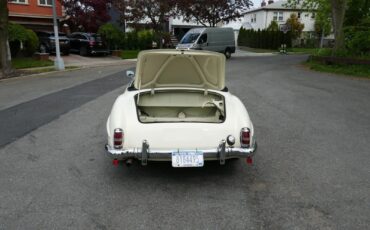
(80, 61)
(244, 53)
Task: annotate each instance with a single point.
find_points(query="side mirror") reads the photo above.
(130, 73)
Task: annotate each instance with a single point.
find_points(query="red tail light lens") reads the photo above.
(118, 138)
(245, 137)
(91, 43)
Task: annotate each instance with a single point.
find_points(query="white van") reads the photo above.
(213, 39)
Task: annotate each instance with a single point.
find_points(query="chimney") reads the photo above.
(270, 1)
(263, 3)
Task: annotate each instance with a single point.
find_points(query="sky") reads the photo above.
(257, 3)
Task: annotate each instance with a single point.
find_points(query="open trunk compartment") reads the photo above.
(180, 106)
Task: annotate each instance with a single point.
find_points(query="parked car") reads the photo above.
(47, 42)
(87, 44)
(213, 39)
(178, 109)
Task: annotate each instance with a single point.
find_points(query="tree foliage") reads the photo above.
(357, 12)
(17, 35)
(337, 11)
(212, 12)
(86, 15)
(322, 20)
(111, 34)
(273, 26)
(154, 13)
(296, 27)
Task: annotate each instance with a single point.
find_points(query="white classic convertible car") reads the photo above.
(178, 109)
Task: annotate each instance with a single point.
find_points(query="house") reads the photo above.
(34, 14)
(261, 18)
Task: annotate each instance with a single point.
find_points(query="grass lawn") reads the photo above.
(352, 70)
(29, 62)
(129, 54)
(311, 51)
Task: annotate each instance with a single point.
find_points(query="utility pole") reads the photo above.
(58, 63)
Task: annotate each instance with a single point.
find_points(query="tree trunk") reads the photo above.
(5, 64)
(338, 11)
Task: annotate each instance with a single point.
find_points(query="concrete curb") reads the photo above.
(125, 62)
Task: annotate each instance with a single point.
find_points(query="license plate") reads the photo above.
(187, 159)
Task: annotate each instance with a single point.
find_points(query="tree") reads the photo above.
(322, 20)
(5, 64)
(273, 26)
(338, 9)
(357, 11)
(86, 15)
(154, 13)
(212, 12)
(295, 26)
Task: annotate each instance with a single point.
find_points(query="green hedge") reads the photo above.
(263, 39)
(134, 40)
(20, 35)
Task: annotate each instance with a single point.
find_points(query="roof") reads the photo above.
(278, 5)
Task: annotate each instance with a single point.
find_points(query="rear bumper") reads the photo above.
(145, 154)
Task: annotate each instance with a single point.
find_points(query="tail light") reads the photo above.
(245, 137)
(91, 43)
(118, 138)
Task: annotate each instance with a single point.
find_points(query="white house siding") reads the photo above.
(265, 15)
(264, 19)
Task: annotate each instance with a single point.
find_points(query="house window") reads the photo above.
(45, 2)
(313, 15)
(299, 15)
(278, 16)
(19, 1)
(253, 18)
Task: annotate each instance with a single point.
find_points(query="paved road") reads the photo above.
(311, 171)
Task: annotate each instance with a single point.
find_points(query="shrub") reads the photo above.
(264, 39)
(18, 36)
(31, 44)
(131, 41)
(358, 38)
(145, 39)
(112, 35)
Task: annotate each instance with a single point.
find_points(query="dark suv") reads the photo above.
(87, 44)
(47, 42)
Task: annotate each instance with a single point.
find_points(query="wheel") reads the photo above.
(43, 48)
(227, 53)
(83, 51)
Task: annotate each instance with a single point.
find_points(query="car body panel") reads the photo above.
(87, 43)
(153, 141)
(47, 41)
(199, 69)
(187, 135)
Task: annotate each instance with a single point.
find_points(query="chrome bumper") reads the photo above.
(145, 154)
